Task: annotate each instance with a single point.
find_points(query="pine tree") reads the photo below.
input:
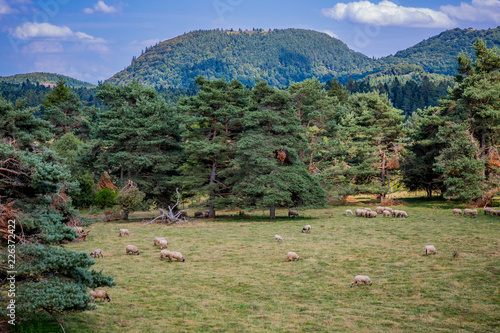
(212, 119)
(269, 172)
(138, 139)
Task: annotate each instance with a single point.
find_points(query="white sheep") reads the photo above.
(124, 232)
(402, 213)
(101, 294)
(293, 213)
(395, 213)
(97, 253)
(348, 212)
(368, 209)
(131, 249)
(488, 210)
(457, 211)
(386, 213)
(379, 209)
(278, 238)
(467, 211)
(163, 243)
(291, 256)
(372, 214)
(157, 240)
(388, 208)
(358, 279)
(306, 228)
(360, 212)
(430, 249)
(171, 255)
(473, 212)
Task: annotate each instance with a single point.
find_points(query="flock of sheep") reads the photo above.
(162, 243)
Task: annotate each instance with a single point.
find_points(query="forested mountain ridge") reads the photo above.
(438, 54)
(45, 79)
(275, 56)
(282, 56)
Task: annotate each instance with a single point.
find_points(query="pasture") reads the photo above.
(235, 278)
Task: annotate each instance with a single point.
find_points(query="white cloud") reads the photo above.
(387, 13)
(476, 11)
(5, 8)
(43, 47)
(330, 33)
(30, 30)
(100, 6)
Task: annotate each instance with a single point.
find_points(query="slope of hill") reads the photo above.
(45, 79)
(439, 54)
(276, 56)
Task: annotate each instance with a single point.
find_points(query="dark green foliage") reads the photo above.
(19, 124)
(44, 79)
(129, 201)
(269, 173)
(278, 57)
(106, 198)
(138, 138)
(85, 194)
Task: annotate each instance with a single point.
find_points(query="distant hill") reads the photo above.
(439, 54)
(45, 79)
(276, 56)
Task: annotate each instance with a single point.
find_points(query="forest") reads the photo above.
(229, 144)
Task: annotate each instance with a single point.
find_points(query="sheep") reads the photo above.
(163, 243)
(386, 213)
(395, 213)
(206, 213)
(198, 214)
(183, 214)
(368, 209)
(78, 230)
(131, 249)
(473, 212)
(379, 209)
(402, 213)
(293, 213)
(372, 214)
(457, 211)
(124, 232)
(97, 252)
(99, 294)
(278, 238)
(359, 212)
(388, 208)
(430, 249)
(467, 211)
(291, 256)
(306, 228)
(157, 240)
(348, 212)
(488, 210)
(358, 279)
(171, 255)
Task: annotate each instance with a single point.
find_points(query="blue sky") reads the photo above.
(92, 40)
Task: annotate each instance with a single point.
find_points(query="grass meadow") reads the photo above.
(235, 278)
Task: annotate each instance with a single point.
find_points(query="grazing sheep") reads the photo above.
(358, 279)
(388, 208)
(124, 232)
(99, 294)
(278, 238)
(348, 212)
(291, 256)
(488, 210)
(163, 243)
(171, 255)
(206, 213)
(183, 214)
(473, 212)
(131, 249)
(430, 249)
(467, 211)
(157, 240)
(293, 213)
(457, 211)
(368, 209)
(306, 228)
(372, 214)
(78, 230)
(198, 214)
(360, 212)
(402, 213)
(379, 209)
(386, 213)
(97, 253)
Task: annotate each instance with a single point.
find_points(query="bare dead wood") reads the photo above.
(170, 216)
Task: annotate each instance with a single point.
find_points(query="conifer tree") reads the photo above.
(138, 139)
(212, 119)
(269, 173)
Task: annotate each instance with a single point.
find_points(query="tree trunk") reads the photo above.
(383, 168)
(211, 212)
(272, 213)
(121, 173)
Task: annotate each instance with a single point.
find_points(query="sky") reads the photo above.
(93, 40)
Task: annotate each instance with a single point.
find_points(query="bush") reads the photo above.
(106, 198)
(130, 201)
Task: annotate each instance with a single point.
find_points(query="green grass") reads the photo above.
(235, 278)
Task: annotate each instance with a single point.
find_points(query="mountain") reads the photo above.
(439, 54)
(284, 55)
(45, 79)
(276, 56)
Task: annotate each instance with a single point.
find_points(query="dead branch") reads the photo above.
(170, 216)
